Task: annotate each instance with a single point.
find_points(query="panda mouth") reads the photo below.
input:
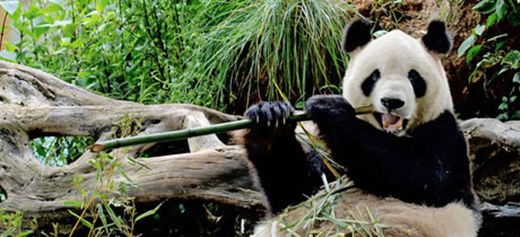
(390, 122)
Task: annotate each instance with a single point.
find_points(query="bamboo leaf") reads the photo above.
(500, 9)
(113, 216)
(83, 221)
(148, 213)
(102, 216)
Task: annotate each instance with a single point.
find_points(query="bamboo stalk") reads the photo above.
(193, 132)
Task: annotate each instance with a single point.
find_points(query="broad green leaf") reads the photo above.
(32, 12)
(82, 220)
(503, 117)
(69, 29)
(148, 213)
(9, 6)
(40, 30)
(500, 9)
(491, 19)
(516, 115)
(500, 44)
(472, 52)
(466, 45)
(485, 6)
(51, 8)
(503, 106)
(512, 58)
(516, 78)
(479, 29)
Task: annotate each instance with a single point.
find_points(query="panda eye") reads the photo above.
(418, 83)
(368, 84)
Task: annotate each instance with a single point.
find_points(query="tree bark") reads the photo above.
(36, 104)
(495, 157)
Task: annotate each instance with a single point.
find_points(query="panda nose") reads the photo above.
(391, 103)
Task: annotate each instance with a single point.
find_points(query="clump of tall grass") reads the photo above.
(254, 50)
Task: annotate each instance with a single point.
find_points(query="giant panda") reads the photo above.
(409, 158)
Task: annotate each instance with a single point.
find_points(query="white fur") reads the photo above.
(394, 55)
(401, 219)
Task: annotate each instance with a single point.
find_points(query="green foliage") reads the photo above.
(130, 50)
(260, 49)
(12, 225)
(59, 151)
(492, 53)
(101, 213)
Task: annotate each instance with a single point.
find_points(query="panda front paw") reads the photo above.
(272, 115)
(329, 109)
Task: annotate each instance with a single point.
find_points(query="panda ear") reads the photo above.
(437, 39)
(357, 34)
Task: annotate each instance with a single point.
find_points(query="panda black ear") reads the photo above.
(357, 34)
(437, 39)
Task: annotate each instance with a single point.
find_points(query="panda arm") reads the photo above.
(429, 167)
(287, 173)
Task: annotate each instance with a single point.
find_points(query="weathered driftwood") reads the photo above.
(495, 156)
(37, 104)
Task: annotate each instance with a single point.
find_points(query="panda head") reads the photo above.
(400, 76)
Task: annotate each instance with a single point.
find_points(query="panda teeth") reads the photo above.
(392, 123)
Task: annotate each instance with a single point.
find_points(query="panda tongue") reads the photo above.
(392, 122)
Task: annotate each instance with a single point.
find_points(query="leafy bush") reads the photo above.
(130, 50)
(490, 45)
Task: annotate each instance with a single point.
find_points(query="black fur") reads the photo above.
(288, 174)
(357, 34)
(418, 83)
(429, 167)
(437, 39)
(368, 84)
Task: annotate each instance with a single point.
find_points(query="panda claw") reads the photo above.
(270, 114)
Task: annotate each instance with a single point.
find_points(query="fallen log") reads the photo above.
(35, 104)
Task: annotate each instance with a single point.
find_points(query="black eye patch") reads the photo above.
(368, 84)
(418, 83)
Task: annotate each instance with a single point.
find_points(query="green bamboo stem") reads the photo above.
(193, 132)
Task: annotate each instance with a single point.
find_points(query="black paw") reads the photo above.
(270, 114)
(329, 108)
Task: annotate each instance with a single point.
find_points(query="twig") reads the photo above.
(193, 132)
